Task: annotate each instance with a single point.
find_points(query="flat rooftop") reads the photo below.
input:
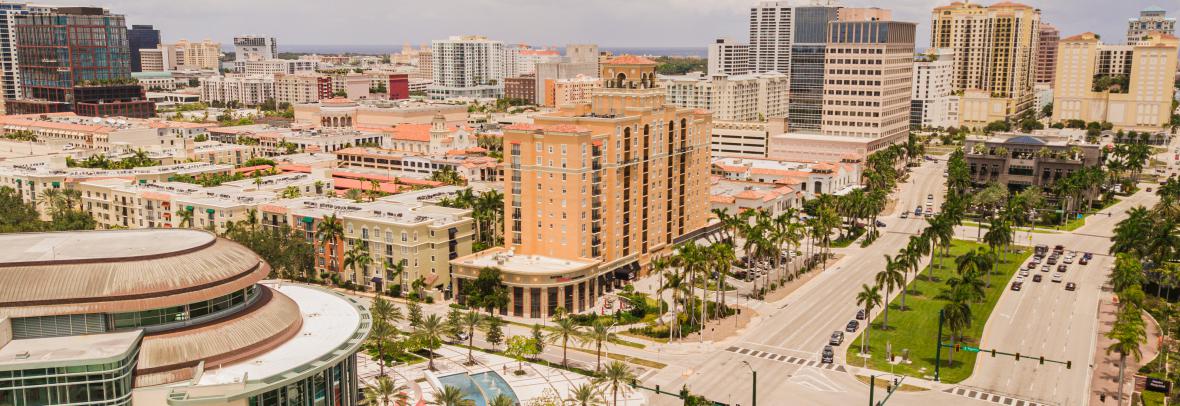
(329, 322)
(24, 247)
(523, 264)
(54, 352)
(822, 137)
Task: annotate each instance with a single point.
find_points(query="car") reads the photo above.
(1084, 261)
(1062, 268)
(1036, 278)
(1071, 286)
(1023, 272)
(1031, 265)
(837, 338)
(1148, 190)
(1052, 261)
(1020, 279)
(1045, 268)
(880, 224)
(905, 214)
(1069, 260)
(1017, 285)
(828, 355)
(1057, 277)
(852, 326)
(918, 211)
(1058, 248)
(930, 197)
(860, 314)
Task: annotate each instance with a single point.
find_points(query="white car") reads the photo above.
(1020, 279)
(1057, 276)
(1023, 272)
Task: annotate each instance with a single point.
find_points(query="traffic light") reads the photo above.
(957, 347)
(1068, 364)
(1042, 360)
(1018, 356)
(993, 352)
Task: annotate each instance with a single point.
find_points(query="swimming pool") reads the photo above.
(481, 387)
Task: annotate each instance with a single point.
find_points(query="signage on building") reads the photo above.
(1158, 385)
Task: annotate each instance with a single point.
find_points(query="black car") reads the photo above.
(1061, 268)
(1052, 260)
(860, 314)
(1036, 278)
(1016, 286)
(852, 326)
(827, 356)
(1070, 286)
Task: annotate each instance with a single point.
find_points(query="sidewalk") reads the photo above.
(1106, 366)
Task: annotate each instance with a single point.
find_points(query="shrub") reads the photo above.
(430, 300)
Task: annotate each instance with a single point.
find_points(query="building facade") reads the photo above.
(467, 66)
(751, 97)
(302, 88)
(248, 90)
(727, 57)
(1046, 62)
(181, 55)
(141, 37)
(255, 48)
(575, 90)
(594, 191)
(1093, 82)
(771, 36)
(1150, 20)
(59, 73)
(868, 80)
(995, 56)
(933, 103)
(522, 87)
(1022, 160)
(809, 40)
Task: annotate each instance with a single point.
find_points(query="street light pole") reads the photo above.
(753, 385)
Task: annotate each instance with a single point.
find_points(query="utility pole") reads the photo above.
(753, 384)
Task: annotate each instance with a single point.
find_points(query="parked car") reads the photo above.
(837, 338)
(1036, 278)
(852, 326)
(1071, 286)
(860, 314)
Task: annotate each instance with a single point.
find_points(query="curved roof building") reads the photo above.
(166, 317)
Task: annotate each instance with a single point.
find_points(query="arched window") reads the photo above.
(621, 78)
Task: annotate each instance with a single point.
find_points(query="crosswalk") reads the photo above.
(991, 397)
(785, 358)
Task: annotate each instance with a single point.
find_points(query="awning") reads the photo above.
(307, 220)
(376, 279)
(189, 208)
(210, 211)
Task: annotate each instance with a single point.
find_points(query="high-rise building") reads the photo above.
(1103, 83)
(302, 88)
(575, 90)
(579, 60)
(770, 37)
(933, 103)
(182, 55)
(61, 70)
(141, 37)
(467, 66)
(995, 51)
(751, 97)
(727, 57)
(866, 92)
(10, 87)
(1150, 20)
(1047, 37)
(521, 60)
(808, 51)
(255, 48)
(593, 192)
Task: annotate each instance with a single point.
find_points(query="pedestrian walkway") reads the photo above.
(787, 359)
(991, 397)
(1105, 379)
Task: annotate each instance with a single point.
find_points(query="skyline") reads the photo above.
(513, 21)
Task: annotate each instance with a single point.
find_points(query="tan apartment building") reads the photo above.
(182, 55)
(300, 88)
(575, 90)
(593, 191)
(1093, 83)
(995, 51)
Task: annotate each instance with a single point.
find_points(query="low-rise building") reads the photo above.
(807, 177)
(1022, 160)
(247, 90)
(375, 113)
(30, 180)
(302, 88)
(523, 87)
(471, 165)
(739, 196)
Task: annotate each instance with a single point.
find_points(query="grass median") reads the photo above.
(915, 328)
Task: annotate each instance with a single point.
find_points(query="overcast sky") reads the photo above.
(615, 23)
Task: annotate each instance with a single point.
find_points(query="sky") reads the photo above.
(608, 23)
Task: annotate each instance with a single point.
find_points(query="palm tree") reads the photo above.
(394, 271)
(384, 390)
(676, 284)
(564, 329)
(869, 297)
(451, 396)
(471, 320)
(616, 376)
(431, 332)
(357, 257)
(1128, 272)
(889, 278)
(957, 315)
(384, 314)
(599, 333)
(329, 233)
(502, 400)
(1128, 333)
(186, 218)
(584, 395)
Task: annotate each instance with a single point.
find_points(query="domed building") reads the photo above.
(166, 317)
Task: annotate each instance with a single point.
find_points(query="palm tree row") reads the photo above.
(487, 211)
(694, 266)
